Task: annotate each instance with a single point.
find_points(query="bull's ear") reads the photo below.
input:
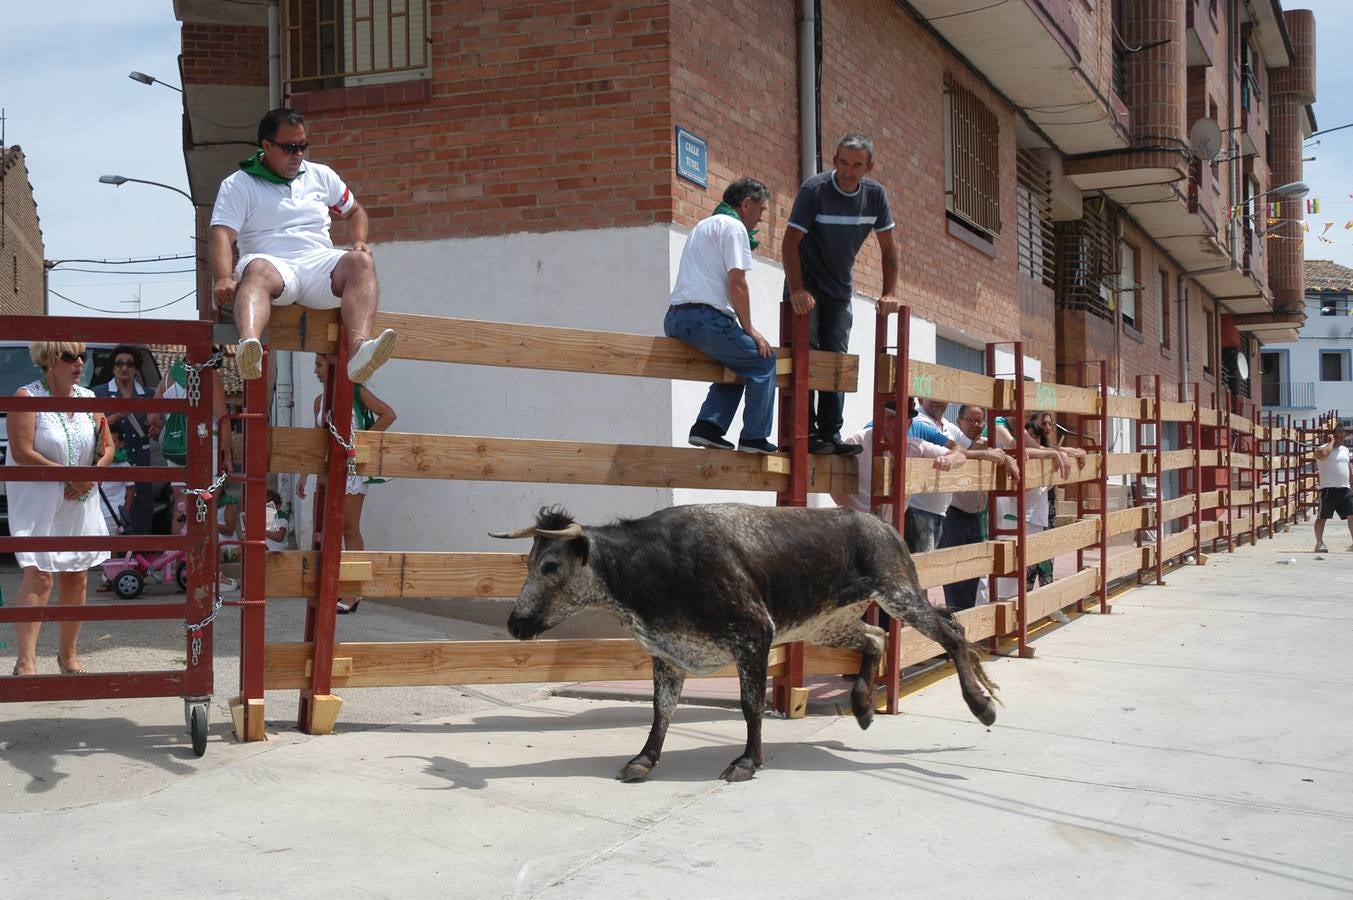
(581, 547)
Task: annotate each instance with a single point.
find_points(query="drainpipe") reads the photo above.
(1182, 304)
(274, 58)
(807, 89)
(284, 362)
(1232, 51)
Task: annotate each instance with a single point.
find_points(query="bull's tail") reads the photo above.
(971, 653)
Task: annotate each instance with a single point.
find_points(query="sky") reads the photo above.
(68, 102)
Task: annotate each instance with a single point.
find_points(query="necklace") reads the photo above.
(65, 428)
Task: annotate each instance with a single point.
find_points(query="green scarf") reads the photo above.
(254, 166)
(723, 209)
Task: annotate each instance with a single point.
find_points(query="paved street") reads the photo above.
(1192, 743)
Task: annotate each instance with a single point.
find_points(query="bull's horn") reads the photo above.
(528, 531)
(574, 530)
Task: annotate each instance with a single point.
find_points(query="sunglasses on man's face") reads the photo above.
(68, 357)
(290, 148)
(124, 364)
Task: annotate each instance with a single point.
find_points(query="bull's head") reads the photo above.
(558, 579)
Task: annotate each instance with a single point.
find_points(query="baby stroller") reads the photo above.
(128, 574)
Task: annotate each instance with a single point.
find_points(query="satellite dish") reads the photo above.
(1242, 364)
(1205, 138)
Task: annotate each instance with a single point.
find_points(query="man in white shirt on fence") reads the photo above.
(1332, 460)
(278, 208)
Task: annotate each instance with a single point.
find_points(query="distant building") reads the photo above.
(1315, 372)
(22, 290)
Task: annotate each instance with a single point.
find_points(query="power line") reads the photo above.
(132, 272)
(119, 311)
(53, 263)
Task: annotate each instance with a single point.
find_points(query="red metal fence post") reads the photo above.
(794, 437)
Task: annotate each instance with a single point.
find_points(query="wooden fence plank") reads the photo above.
(1045, 396)
(1176, 544)
(1176, 412)
(1056, 541)
(1173, 509)
(1129, 408)
(403, 455)
(473, 342)
(1241, 460)
(1176, 459)
(943, 383)
(1131, 463)
(1062, 592)
(1130, 519)
(955, 563)
(292, 573)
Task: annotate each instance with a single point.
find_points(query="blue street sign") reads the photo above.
(692, 157)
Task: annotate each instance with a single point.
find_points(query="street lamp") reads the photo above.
(116, 180)
(151, 79)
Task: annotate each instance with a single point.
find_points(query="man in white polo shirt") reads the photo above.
(278, 208)
(1332, 462)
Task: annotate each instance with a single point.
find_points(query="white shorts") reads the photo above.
(305, 278)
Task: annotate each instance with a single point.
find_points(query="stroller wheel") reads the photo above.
(128, 584)
(181, 575)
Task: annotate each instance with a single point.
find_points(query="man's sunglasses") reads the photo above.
(291, 149)
(124, 364)
(68, 357)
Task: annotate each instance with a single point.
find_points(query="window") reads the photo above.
(972, 178)
(1033, 207)
(1334, 365)
(339, 43)
(1164, 317)
(1334, 306)
(960, 356)
(1128, 284)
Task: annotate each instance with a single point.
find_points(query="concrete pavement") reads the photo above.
(1193, 743)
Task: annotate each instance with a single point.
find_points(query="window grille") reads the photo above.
(1087, 259)
(340, 43)
(972, 161)
(1033, 207)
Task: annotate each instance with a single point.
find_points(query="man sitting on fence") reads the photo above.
(278, 208)
(1332, 462)
(711, 309)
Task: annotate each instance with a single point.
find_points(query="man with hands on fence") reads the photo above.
(830, 221)
(278, 207)
(965, 520)
(710, 308)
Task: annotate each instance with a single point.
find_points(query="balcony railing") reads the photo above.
(1290, 394)
(340, 43)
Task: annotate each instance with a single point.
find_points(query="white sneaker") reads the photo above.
(370, 356)
(1321, 548)
(249, 358)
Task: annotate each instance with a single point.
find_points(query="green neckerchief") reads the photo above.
(254, 166)
(723, 209)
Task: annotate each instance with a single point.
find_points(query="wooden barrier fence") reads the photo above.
(1244, 480)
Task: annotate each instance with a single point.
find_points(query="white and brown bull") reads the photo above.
(701, 586)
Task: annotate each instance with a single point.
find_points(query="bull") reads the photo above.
(704, 585)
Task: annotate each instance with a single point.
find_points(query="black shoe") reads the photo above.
(704, 434)
(760, 445)
(841, 448)
(821, 446)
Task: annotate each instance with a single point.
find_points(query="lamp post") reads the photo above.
(117, 180)
(151, 79)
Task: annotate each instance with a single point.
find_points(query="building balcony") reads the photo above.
(1289, 394)
(1203, 26)
(1278, 327)
(1031, 50)
(1204, 192)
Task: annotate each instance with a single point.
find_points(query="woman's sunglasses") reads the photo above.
(68, 357)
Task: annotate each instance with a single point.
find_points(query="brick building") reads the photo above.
(22, 277)
(518, 163)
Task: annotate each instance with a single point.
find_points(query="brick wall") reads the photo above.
(21, 250)
(538, 117)
(225, 54)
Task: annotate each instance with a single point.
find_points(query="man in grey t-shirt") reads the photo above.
(832, 217)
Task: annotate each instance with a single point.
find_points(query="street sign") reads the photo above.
(692, 157)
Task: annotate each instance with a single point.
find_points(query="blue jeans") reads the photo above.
(721, 337)
(828, 329)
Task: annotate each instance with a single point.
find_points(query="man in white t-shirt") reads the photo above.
(1332, 462)
(278, 208)
(710, 308)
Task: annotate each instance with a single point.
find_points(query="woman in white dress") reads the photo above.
(55, 508)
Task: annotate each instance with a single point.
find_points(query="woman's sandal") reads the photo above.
(76, 669)
(345, 608)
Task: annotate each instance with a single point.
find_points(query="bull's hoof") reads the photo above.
(740, 769)
(635, 770)
(861, 704)
(988, 714)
